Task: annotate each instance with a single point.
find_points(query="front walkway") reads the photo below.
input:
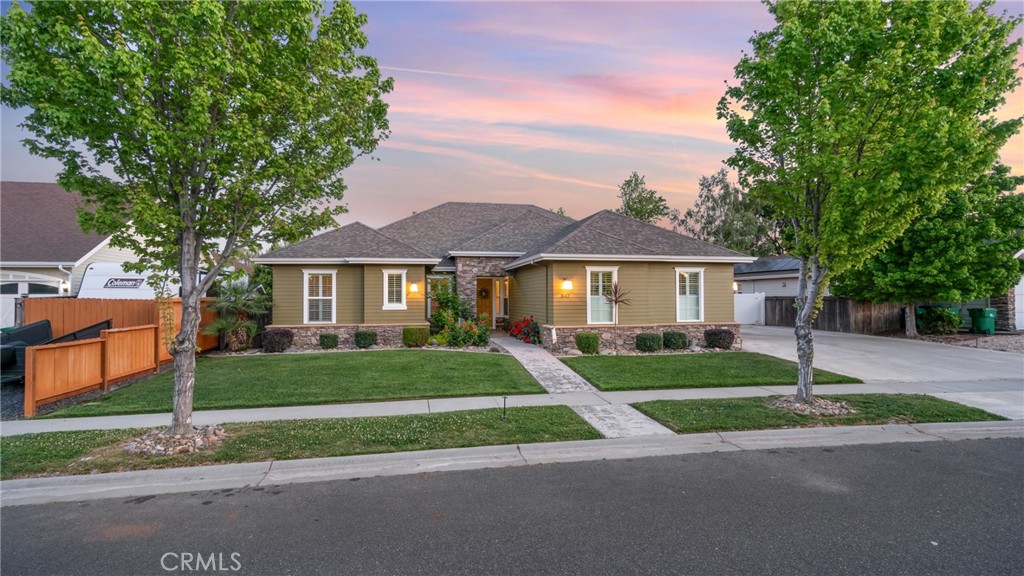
(611, 420)
(550, 372)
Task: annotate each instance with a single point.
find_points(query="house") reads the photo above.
(508, 261)
(43, 251)
(769, 275)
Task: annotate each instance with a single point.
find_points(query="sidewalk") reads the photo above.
(1003, 397)
(229, 476)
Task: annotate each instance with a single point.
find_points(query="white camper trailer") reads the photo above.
(110, 280)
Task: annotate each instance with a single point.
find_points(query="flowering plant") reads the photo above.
(526, 330)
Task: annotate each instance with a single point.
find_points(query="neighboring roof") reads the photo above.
(480, 227)
(610, 235)
(39, 224)
(779, 265)
(354, 243)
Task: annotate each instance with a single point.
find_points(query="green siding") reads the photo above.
(527, 294)
(288, 293)
(373, 296)
(651, 287)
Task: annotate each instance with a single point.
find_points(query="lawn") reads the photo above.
(327, 378)
(728, 414)
(716, 370)
(89, 452)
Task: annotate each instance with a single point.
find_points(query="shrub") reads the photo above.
(328, 341)
(648, 342)
(365, 338)
(674, 340)
(526, 330)
(719, 338)
(442, 338)
(450, 307)
(415, 336)
(277, 339)
(940, 321)
(588, 342)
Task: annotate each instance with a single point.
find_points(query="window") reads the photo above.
(599, 285)
(394, 289)
(11, 288)
(318, 303)
(689, 294)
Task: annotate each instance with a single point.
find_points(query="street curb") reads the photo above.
(174, 480)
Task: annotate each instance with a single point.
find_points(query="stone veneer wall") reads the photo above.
(468, 268)
(623, 338)
(308, 337)
(1006, 311)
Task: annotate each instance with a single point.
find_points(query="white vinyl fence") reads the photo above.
(749, 308)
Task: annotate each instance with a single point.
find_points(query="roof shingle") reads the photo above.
(475, 227)
(355, 240)
(608, 233)
(39, 223)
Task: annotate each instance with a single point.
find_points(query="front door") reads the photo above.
(485, 298)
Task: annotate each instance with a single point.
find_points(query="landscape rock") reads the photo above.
(161, 443)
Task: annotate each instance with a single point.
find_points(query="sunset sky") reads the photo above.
(552, 104)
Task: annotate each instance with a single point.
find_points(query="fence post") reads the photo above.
(30, 392)
(156, 347)
(104, 360)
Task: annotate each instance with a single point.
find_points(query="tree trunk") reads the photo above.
(184, 349)
(812, 276)
(910, 319)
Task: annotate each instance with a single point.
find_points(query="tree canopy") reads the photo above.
(726, 215)
(640, 202)
(197, 127)
(965, 251)
(852, 119)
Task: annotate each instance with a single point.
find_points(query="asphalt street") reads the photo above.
(921, 508)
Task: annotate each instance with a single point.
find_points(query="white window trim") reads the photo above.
(387, 305)
(615, 279)
(700, 294)
(306, 273)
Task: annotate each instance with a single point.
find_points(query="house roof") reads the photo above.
(354, 243)
(610, 235)
(39, 225)
(476, 227)
(780, 265)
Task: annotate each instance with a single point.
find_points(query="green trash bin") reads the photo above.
(983, 320)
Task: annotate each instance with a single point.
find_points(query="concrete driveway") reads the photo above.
(986, 379)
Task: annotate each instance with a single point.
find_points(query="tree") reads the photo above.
(854, 118)
(725, 215)
(225, 126)
(965, 251)
(640, 202)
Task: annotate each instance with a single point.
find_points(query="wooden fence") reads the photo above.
(69, 314)
(56, 371)
(838, 315)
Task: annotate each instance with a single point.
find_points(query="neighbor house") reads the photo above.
(43, 251)
(507, 261)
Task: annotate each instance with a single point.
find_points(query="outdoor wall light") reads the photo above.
(566, 284)
(735, 287)
(414, 287)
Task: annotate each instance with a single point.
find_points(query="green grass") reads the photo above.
(305, 379)
(91, 451)
(717, 370)
(729, 414)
